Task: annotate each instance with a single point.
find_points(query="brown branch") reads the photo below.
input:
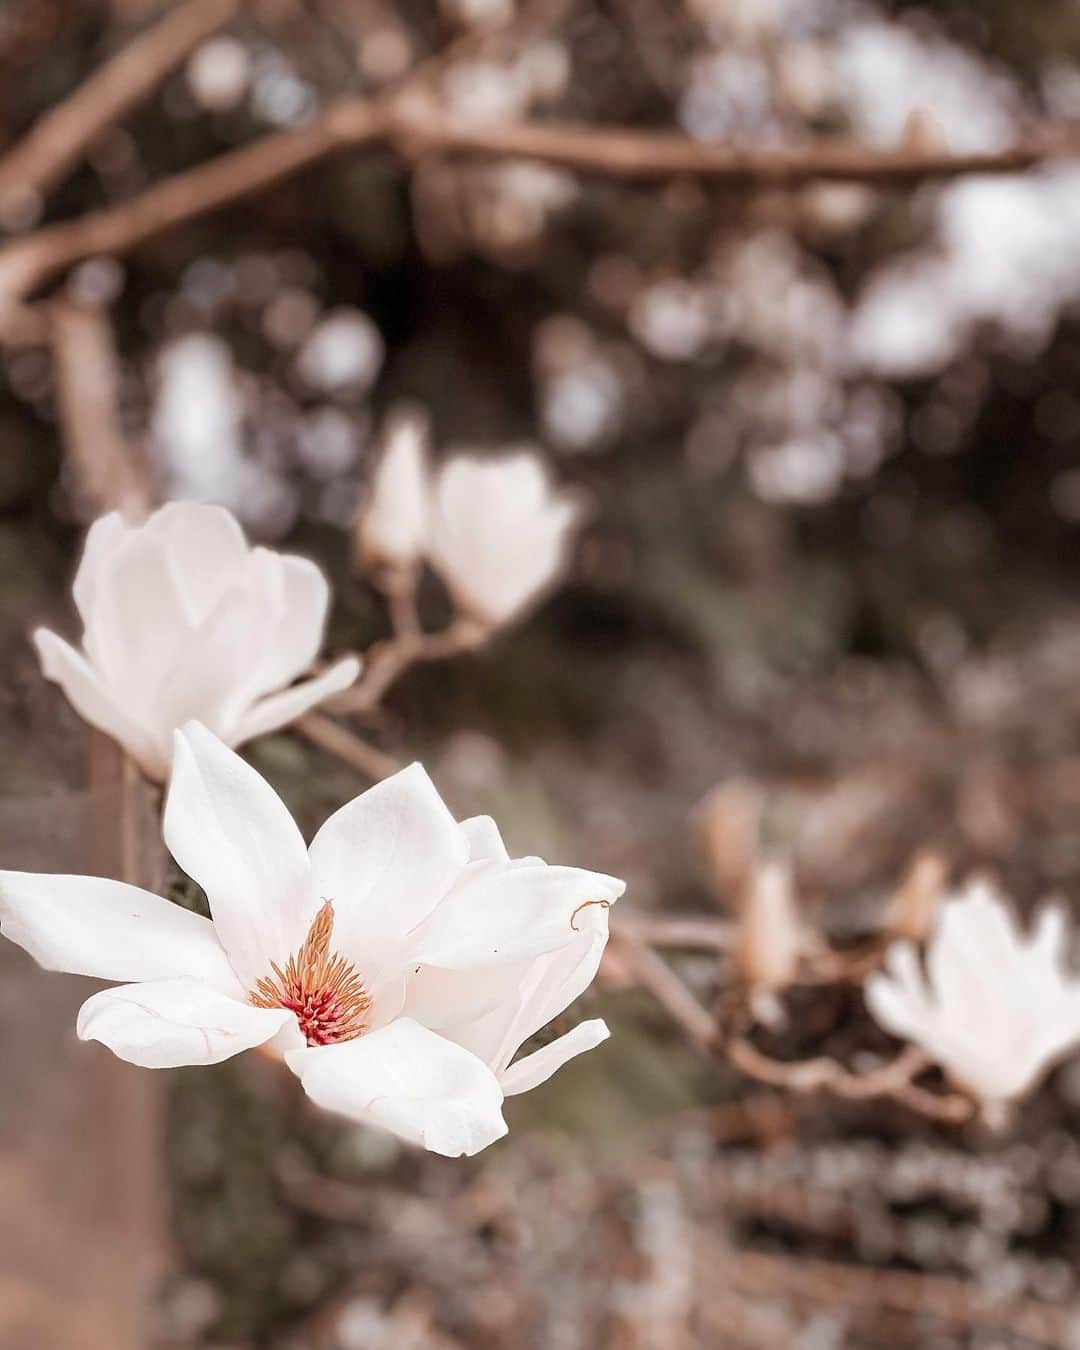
(416, 125)
(109, 477)
(625, 152)
(655, 975)
(388, 661)
(894, 1080)
(58, 140)
(330, 736)
(680, 930)
(27, 263)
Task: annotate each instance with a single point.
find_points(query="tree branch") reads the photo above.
(58, 140)
(110, 478)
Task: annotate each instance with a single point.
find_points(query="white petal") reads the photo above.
(277, 710)
(299, 598)
(386, 859)
(138, 628)
(112, 931)
(231, 832)
(101, 538)
(409, 1081)
(205, 549)
(485, 841)
(538, 1067)
(167, 1023)
(207, 680)
(503, 912)
(95, 703)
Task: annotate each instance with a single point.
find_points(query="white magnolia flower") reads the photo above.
(182, 619)
(392, 528)
(996, 1008)
(499, 532)
(373, 961)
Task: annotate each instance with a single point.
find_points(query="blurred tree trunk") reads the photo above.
(82, 1228)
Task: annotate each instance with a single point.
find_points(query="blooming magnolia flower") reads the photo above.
(996, 1008)
(182, 619)
(392, 528)
(380, 963)
(499, 532)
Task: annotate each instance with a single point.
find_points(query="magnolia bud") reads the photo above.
(914, 906)
(770, 937)
(392, 525)
(729, 824)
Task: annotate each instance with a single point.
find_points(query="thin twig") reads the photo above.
(655, 975)
(332, 737)
(388, 661)
(29, 262)
(59, 139)
(894, 1080)
(680, 930)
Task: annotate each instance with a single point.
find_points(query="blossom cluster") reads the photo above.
(399, 964)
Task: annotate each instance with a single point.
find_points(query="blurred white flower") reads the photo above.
(182, 619)
(493, 1012)
(671, 318)
(218, 73)
(582, 406)
(347, 959)
(197, 436)
(886, 72)
(392, 527)
(996, 1008)
(499, 532)
(344, 352)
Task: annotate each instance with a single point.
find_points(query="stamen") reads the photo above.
(319, 986)
(604, 904)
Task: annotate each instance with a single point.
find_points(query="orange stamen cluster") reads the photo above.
(319, 986)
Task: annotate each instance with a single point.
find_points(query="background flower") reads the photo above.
(996, 1008)
(181, 619)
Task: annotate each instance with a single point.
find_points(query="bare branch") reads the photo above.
(336, 740)
(415, 124)
(655, 975)
(58, 140)
(27, 263)
(894, 1080)
(109, 476)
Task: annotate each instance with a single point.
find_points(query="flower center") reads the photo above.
(319, 986)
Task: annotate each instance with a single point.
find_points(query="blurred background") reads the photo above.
(830, 433)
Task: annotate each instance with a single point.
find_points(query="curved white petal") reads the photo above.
(410, 1081)
(95, 703)
(164, 1024)
(101, 539)
(231, 832)
(485, 841)
(206, 682)
(138, 628)
(538, 1067)
(277, 710)
(301, 597)
(204, 547)
(504, 912)
(386, 859)
(112, 931)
